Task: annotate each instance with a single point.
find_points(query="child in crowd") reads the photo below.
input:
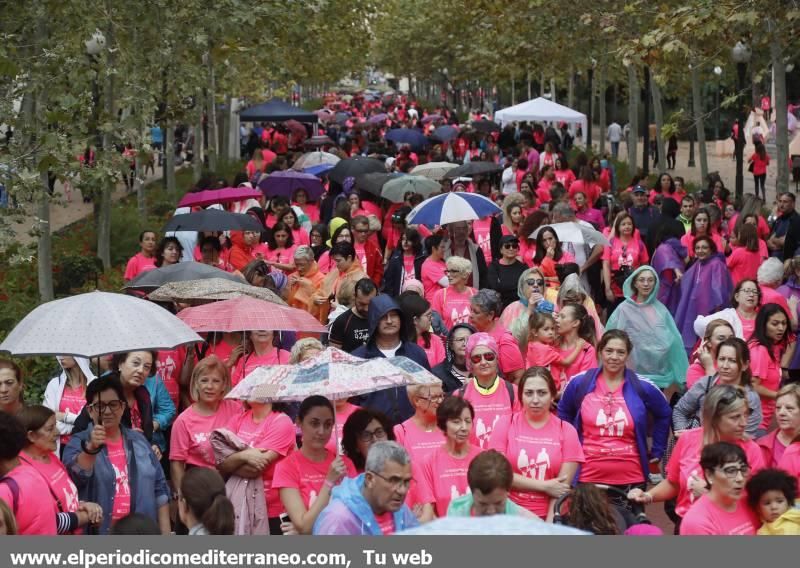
(771, 494)
(541, 344)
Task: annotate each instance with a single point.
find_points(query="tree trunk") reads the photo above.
(697, 116)
(213, 136)
(138, 181)
(553, 89)
(513, 91)
(234, 149)
(199, 144)
(529, 84)
(44, 251)
(571, 89)
(601, 102)
(633, 118)
(541, 84)
(104, 226)
(658, 114)
(781, 119)
(169, 157)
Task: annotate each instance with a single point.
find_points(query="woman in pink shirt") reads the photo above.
(548, 247)
(306, 478)
(281, 247)
(145, 259)
(299, 234)
(544, 451)
(787, 416)
(433, 270)
(418, 312)
(263, 348)
(746, 257)
(770, 351)
(190, 439)
(452, 302)
(587, 185)
(444, 472)
(546, 181)
(626, 253)
(704, 363)
(701, 227)
(300, 199)
(575, 327)
(341, 234)
(564, 175)
(585, 212)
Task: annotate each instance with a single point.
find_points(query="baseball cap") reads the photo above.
(639, 189)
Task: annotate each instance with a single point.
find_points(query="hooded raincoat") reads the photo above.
(668, 258)
(658, 352)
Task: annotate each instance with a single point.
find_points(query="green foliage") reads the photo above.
(73, 271)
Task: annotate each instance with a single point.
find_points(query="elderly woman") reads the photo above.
(485, 310)
(459, 244)
(544, 450)
(453, 370)
(11, 387)
(615, 412)
(305, 282)
(452, 302)
(444, 473)
(658, 353)
(787, 415)
(531, 292)
(724, 420)
(113, 465)
(504, 272)
(746, 300)
(348, 271)
(770, 276)
(733, 368)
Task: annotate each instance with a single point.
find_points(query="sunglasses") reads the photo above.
(488, 357)
(534, 282)
(511, 245)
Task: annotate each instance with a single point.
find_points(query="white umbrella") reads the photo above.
(575, 233)
(433, 170)
(94, 324)
(315, 159)
(451, 208)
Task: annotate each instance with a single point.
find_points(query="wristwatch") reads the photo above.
(88, 451)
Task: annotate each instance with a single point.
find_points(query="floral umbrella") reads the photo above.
(211, 289)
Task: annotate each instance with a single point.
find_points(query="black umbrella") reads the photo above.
(373, 183)
(181, 272)
(355, 166)
(213, 220)
(471, 169)
(445, 133)
(485, 126)
(319, 140)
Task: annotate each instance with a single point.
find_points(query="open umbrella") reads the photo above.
(285, 183)
(181, 272)
(378, 118)
(471, 169)
(319, 140)
(373, 183)
(333, 374)
(95, 324)
(395, 190)
(296, 128)
(433, 170)
(485, 126)
(342, 117)
(318, 170)
(213, 220)
(212, 196)
(410, 136)
(211, 289)
(445, 133)
(575, 233)
(315, 159)
(495, 524)
(431, 118)
(451, 208)
(245, 314)
(325, 115)
(355, 166)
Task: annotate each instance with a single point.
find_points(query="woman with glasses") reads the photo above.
(443, 475)
(363, 428)
(113, 465)
(544, 451)
(452, 301)
(305, 281)
(746, 300)
(531, 292)
(504, 272)
(453, 370)
(724, 419)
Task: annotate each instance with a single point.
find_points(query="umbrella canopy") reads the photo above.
(433, 170)
(296, 128)
(373, 183)
(276, 110)
(315, 159)
(325, 115)
(575, 233)
(95, 324)
(541, 110)
(333, 374)
(342, 117)
(445, 133)
(495, 524)
(355, 166)
(395, 190)
(431, 118)
(318, 170)
(451, 208)
(410, 136)
(213, 220)
(181, 272)
(378, 118)
(212, 196)
(211, 289)
(246, 314)
(320, 140)
(471, 169)
(285, 183)
(485, 126)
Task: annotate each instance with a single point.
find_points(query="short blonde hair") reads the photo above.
(210, 364)
(459, 264)
(303, 346)
(8, 518)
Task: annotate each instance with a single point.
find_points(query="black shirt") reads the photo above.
(350, 330)
(504, 278)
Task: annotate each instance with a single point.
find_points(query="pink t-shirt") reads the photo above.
(122, 488)
(564, 177)
(695, 373)
(609, 439)
(296, 471)
(138, 264)
(687, 240)
(633, 254)
(481, 228)
(706, 518)
(300, 237)
(489, 409)
(249, 363)
(748, 327)
(586, 359)
(685, 460)
(36, 508)
(386, 523)
(540, 355)
(536, 453)
(419, 444)
(790, 461)
(453, 306)
(282, 256)
(189, 441)
(435, 352)
(769, 371)
(72, 401)
(57, 477)
(276, 433)
(341, 418)
(444, 478)
(743, 264)
(432, 272)
(509, 355)
(168, 366)
(772, 296)
(361, 255)
(408, 267)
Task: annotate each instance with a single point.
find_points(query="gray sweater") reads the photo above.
(690, 406)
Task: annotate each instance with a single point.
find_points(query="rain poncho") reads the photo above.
(669, 256)
(658, 352)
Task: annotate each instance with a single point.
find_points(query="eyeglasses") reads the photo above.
(396, 483)
(113, 406)
(449, 271)
(460, 340)
(361, 230)
(534, 282)
(732, 472)
(749, 291)
(489, 357)
(368, 437)
(433, 399)
(511, 245)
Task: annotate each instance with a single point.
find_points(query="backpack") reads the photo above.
(13, 486)
(509, 388)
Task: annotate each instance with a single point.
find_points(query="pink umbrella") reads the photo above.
(296, 128)
(224, 195)
(245, 314)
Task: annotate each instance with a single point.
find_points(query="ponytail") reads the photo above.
(218, 518)
(586, 327)
(203, 491)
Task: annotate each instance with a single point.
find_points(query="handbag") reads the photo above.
(751, 167)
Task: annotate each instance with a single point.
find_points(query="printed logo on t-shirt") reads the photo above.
(312, 496)
(166, 368)
(534, 469)
(200, 437)
(484, 432)
(122, 486)
(459, 317)
(454, 493)
(611, 422)
(361, 336)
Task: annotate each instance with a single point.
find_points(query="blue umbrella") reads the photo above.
(287, 182)
(378, 118)
(318, 170)
(445, 133)
(410, 136)
(451, 208)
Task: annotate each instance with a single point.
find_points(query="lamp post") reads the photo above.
(741, 56)
(646, 129)
(718, 73)
(591, 104)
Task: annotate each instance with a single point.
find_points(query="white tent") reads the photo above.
(540, 110)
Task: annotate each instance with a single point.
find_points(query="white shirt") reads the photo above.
(614, 132)
(509, 181)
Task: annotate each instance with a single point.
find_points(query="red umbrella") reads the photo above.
(246, 314)
(224, 195)
(296, 128)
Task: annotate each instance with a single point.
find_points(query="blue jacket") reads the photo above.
(644, 401)
(163, 409)
(393, 402)
(348, 513)
(149, 489)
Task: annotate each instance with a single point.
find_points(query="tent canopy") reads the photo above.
(276, 110)
(542, 110)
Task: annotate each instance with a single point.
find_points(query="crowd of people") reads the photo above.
(653, 355)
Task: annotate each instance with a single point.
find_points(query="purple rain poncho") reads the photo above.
(669, 255)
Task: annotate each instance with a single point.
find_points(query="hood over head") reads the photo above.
(379, 306)
(627, 287)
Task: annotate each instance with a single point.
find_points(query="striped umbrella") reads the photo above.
(451, 208)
